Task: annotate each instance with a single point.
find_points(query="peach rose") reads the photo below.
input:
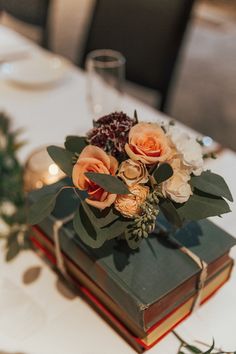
(148, 144)
(129, 204)
(133, 172)
(177, 187)
(94, 159)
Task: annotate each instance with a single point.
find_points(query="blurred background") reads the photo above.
(202, 93)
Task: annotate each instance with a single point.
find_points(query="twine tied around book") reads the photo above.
(201, 264)
(56, 237)
(202, 276)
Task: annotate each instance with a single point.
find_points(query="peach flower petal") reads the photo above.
(86, 165)
(96, 153)
(102, 204)
(113, 165)
(148, 144)
(94, 159)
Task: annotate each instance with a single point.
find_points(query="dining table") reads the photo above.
(37, 317)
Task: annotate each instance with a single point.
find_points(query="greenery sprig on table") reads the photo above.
(195, 349)
(13, 228)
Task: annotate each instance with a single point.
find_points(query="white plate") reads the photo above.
(36, 70)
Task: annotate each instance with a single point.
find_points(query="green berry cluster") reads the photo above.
(145, 223)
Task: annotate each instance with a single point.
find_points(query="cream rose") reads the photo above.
(129, 204)
(189, 148)
(177, 187)
(94, 159)
(4, 228)
(148, 144)
(3, 141)
(133, 172)
(7, 208)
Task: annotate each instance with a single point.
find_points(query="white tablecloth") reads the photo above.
(36, 318)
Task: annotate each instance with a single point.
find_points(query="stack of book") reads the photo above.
(145, 293)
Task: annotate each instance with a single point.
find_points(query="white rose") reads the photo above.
(177, 187)
(7, 208)
(4, 228)
(176, 134)
(3, 141)
(189, 148)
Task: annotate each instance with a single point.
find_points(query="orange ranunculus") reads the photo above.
(129, 205)
(94, 159)
(148, 144)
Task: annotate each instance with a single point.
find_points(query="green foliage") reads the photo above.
(192, 349)
(91, 234)
(136, 116)
(211, 348)
(109, 183)
(13, 246)
(170, 212)
(11, 189)
(42, 208)
(75, 143)
(163, 172)
(144, 223)
(98, 217)
(87, 231)
(62, 157)
(212, 183)
(11, 172)
(202, 205)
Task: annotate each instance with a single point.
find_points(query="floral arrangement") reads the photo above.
(125, 172)
(13, 227)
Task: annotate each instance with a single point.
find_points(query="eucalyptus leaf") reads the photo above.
(193, 349)
(42, 208)
(98, 217)
(136, 116)
(109, 183)
(163, 172)
(75, 143)
(212, 183)
(13, 250)
(114, 227)
(94, 236)
(211, 348)
(62, 157)
(201, 206)
(86, 231)
(101, 218)
(117, 228)
(107, 217)
(170, 212)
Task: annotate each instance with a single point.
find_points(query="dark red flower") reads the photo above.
(111, 133)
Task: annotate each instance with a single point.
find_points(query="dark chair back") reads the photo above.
(33, 12)
(147, 32)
